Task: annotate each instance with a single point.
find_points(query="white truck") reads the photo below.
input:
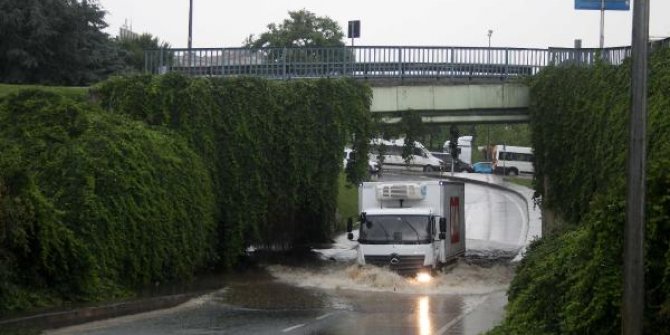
(465, 144)
(411, 227)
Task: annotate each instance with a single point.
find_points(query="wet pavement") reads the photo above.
(332, 295)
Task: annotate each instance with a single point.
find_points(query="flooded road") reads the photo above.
(333, 295)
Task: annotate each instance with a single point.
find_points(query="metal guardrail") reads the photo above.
(373, 62)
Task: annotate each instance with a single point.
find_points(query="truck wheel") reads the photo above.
(513, 172)
(428, 168)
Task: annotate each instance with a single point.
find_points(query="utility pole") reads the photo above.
(633, 262)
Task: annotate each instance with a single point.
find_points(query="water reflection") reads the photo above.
(424, 323)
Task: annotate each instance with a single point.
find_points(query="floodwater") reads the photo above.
(333, 295)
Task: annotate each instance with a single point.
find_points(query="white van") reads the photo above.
(513, 160)
(421, 160)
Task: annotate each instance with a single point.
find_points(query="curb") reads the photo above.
(72, 317)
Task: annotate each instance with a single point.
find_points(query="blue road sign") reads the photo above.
(609, 4)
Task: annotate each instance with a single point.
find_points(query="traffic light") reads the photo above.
(453, 142)
(354, 30)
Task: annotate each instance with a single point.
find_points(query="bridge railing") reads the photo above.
(373, 62)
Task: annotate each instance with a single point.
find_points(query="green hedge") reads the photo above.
(571, 282)
(92, 204)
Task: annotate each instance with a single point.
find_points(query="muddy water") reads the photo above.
(464, 278)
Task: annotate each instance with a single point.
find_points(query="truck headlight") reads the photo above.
(423, 277)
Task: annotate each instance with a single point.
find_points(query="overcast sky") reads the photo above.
(515, 23)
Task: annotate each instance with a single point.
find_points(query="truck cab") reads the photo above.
(410, 227)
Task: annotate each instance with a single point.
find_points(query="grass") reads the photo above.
(72, 92)
(525, 182)
(347, 201)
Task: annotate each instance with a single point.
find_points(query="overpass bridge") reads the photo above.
(443, 84)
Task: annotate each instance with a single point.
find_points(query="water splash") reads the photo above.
(462, 279)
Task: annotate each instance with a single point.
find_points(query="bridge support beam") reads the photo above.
(472, 103)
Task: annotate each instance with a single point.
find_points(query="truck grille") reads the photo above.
(403, 265)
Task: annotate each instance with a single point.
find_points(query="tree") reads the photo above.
(134, 49)
(55, 42)
(302, 29)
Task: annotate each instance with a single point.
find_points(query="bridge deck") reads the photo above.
(360, 70)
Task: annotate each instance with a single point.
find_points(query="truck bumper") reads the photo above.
(404, 259)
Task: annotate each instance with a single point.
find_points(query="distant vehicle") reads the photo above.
(512, 160)
(465, 144)
(373, 166)
(421, 160)
(483, 167)
(460, 166)
(410, 227)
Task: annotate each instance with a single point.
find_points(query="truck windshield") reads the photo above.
(395, 229)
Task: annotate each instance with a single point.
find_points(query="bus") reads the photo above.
(513, 160)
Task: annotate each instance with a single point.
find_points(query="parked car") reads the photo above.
(373, 165)
(460, 166)
(483, 167)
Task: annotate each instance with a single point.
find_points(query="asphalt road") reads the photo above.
(335, 296)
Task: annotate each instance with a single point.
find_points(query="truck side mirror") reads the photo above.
(350, 236)
(350, 225)
(443, 226)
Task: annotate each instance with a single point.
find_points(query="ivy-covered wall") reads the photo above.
(163, 176)
(273, 148)
(571, 281)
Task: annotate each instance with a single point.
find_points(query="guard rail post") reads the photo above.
(506, 74)
(283, 63)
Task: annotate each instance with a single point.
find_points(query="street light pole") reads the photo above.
(488, 60)
(490, 33)
(190, 25)
(602, 24)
